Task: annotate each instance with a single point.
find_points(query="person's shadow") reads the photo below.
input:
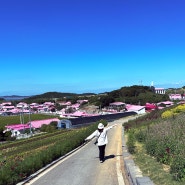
(111, 156)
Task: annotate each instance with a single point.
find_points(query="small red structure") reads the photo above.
(150, 106)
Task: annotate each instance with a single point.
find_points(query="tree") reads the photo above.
(106, 100)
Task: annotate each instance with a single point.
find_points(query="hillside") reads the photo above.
(53, 96)
(130, 95)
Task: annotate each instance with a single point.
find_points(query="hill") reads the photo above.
(130, 95)
(53, 96)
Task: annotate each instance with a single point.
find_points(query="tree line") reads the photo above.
(138, 95)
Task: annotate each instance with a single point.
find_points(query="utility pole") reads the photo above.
(140, 82)
(30, 121)
(22, 119)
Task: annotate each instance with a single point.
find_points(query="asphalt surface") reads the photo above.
(83, 167)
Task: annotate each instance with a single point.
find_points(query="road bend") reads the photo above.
(83, 167)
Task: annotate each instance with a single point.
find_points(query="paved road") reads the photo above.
(83, 166)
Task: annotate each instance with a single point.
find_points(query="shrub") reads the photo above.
(131, 142)
(54, 123)
(179, 108)
(167, 114)
(165, 150)
(151, 145)
(140, 135)
(5, 175)
(48, 128)
(173, 111)
(178, 168)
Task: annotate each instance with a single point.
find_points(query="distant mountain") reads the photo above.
(14, 97)
(131, 95)
(51, 95)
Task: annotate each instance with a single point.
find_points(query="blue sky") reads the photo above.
(84, 46)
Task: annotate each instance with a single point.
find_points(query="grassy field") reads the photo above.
(9, 120)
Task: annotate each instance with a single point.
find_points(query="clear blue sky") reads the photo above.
(90, 45)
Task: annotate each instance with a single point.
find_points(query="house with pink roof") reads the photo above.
(117, 106)
(176, 97)
(6, 103)
(7, 107)
(76, 105)
(34, 104)
(9, 110)
(15, 111)
(49, 103)
(166, 103)
(135, 108)
(39, 123)
(21, 105)
(65, 103)
(18, 129)
(78, 114)
(82, 101)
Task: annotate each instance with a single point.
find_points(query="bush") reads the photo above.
(140, 135)
(179, 108)
(47, 128)
(173, 111)
(178, 168)
(131, 142)
(151, 145)
(167, 114)
(54, 123)
(165, 151)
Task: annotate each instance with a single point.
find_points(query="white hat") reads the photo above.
(100, 126)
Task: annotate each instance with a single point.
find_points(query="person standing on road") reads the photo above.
(102, 140)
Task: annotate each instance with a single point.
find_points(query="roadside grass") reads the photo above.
(158, 173)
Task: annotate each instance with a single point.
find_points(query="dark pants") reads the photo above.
(102, 152)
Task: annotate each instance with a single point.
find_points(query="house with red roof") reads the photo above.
(150, 106)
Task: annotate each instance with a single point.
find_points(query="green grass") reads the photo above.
(158, 173)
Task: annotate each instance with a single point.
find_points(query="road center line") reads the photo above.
(118, 166)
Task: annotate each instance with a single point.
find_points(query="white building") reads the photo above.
(160, 91)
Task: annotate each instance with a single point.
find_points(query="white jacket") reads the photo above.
(102, 136)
